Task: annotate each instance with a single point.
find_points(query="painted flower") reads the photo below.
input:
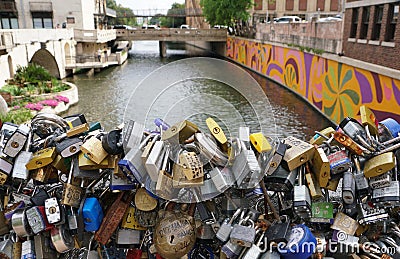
(340, 100)
(61, 98)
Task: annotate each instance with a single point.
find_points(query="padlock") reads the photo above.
(339, 161)
(179, 178)
(132, 166)
(216, 131)
(20, 224)
(28, 249)
(132, 134)
(209, 150)
(74, 131)
(381, 181)
(175, 232)
(39, 196)
(281, 180)
(190, 165)
(6, 246)
(225, 230)
(127, 237)
(120, 183)
(7, 129)
(231, 250)
(43, 246)
(149, 147)
(322, 212)
(94, 150)
(302, 198)
(297, 153)
(313, 184)
(3, 178)
(205, 232)
(37, 219)
(6, 166)
(362, 185)
(349, 144)
(113, 217)
(333, 184)
(345, 224)
(260, 142)
(43, 174)
(78, 173)
(69, 147)
(154, 161)
(75, 120)
(41, 158)
(164, 186)
(208, 190)
(17, 141)
(255, 250)
(62, 239)
(112, 142)
(178, 133)
(146, 219)
(222, 178)
(54, 212)
(368, 119)
(144, 201)
(354, 130)
(61, 164)
(129, 220)
(388, 196)
(321, 167)
(348, 187)
(321, 136)
(301, 244)
(86, 164)
(276, 158)
(279, 231)
(92, 214)
(368, 214)
(243, 235)
(71, 194)
(19, 170)
(379, 164)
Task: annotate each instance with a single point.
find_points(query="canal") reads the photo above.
(105, 95)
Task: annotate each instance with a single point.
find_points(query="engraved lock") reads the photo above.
(175, 232)
(302, 198)
(19, 170)
(368, 214)
(154, 161)
(345, 224)
(348, 187)
(143, 200)
(380, 181)
(192, 168)
(379, 164)
(54, 212)
(179, 178)
(17, 141)
(209, 151)
(276, 158)
(71, 194)
(226, 228)
(178, 133)
(92, 213)
(41, 158)
(368, 119)
(37, 219)
(146, 219)
(129, 220)
(297, 153)
(164, 186)
(94, 150)
(243, 235)
(28, 249)
(69, 147)
(322, 212)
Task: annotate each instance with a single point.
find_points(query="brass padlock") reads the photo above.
(180, 132)
(175, 232)
(368, 119)
(71, 194)
(42, 158)
(345, 223)
(321, 167)
(218, 133)
(181, 181)
(43, 174)
(313, 184)
(380, 164)
(321, 136)
(297, 153)
(62, 164)
(87, 164)
(260, 143)
(94, 150)
(3, 178)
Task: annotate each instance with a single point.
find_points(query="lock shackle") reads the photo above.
(246, 220)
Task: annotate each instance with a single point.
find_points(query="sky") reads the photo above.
(148, 4)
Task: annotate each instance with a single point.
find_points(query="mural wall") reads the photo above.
(337, 89)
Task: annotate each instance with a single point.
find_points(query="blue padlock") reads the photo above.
(92, 214)
(302, 244)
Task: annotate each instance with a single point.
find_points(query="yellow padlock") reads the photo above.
(129, 220)
(41, 158)
(216, 131)
(368, 119)
(318, 140)
(260, 142)
(180, 132)
(379, 164)
(321, 167)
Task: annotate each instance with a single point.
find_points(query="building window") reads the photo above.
(8, 21)
(289, 5)
(302, 5)
(334, 5)
(354, 23)
(377, 22)
(42, 20)
(392, 21)
(70, 20)
(364, 23)
(320, 5)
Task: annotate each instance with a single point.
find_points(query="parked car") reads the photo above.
(329, 19)
(150, 27)
(287, 19)
(123, 26)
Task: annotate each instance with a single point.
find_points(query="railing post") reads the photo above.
(163, 48)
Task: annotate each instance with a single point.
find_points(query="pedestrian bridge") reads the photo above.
(173, 34)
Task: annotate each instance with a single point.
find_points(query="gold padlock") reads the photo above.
(297, 153)
(164, 186)
(86, 164)
(94, 150)
(348, 143)
(217, 132)
(180, 180)
(368, 119)
(191, 165)
(129, 220)
(72, 194)
(313, 185)
(333, 184)
(62, 164)
(318, 139)
(43, 174)
(179, 132)
(379, 164)
(41, 158)
(143, 200)
(260, 143)
(321, 167)
(345, 223)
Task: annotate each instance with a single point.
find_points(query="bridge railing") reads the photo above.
(26, 36)
(99, 36)
(170, 33)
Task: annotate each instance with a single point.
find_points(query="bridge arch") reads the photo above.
(45, 59)
(10, 66)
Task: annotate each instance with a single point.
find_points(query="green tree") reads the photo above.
(125, 15)
(174, 22)
(225, 12)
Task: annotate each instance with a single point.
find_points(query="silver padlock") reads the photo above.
(362, 185)
(243, 235)
(231, 249)
(28, 249)
(226, 228)
(368, 214)
(36, 220)
(126, 236)
(132, 135)
(208, 189)
(380, 181)
(154, 160)
(302, 198)
(19, 170)
(348, 187)
(20, 223)
(6, 247)
(54, 212)
(17, 141)
(72, 219)
(43, 246)
(209, 150)
(255, 250)
(222, 178)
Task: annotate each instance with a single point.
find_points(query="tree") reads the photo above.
(174, 22)
(225, 12)
(124, 14)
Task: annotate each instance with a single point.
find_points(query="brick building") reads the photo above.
(372, 32)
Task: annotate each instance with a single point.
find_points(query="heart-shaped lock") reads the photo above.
(175, 231)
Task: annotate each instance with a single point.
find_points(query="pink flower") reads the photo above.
(61, 98)
(16, 107)
(34, 106)
(49, 102)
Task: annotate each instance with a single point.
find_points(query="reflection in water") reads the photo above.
(104, 96)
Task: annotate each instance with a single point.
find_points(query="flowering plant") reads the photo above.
(34, 106)
(61, 98)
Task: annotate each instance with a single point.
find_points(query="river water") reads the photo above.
(105, 95)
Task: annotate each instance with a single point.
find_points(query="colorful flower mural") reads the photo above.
(337, 89)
